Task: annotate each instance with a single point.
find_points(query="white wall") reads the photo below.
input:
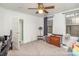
(10, 20)
(31, 28)
(59, 24)
(1, 23)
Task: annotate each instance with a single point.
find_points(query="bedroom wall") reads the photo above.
(10, 20)
(31, 28)
(1, 23)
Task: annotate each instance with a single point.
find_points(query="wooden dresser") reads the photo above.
(55, 40)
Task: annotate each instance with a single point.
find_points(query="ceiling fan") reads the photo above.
(42, 9)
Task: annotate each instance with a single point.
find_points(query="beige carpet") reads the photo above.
(38, 48)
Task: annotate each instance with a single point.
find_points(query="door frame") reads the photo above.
(21, 23)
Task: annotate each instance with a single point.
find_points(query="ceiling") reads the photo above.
(23, 7)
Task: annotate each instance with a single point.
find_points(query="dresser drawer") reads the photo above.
(55, 40)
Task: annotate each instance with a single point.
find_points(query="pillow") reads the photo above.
(75, 50)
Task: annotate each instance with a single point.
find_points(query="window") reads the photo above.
(72, 24)
(50, 25)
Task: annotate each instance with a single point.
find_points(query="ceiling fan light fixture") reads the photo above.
(40, 11)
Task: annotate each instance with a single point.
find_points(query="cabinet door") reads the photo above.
(56, 41)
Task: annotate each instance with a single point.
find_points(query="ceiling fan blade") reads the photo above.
(49, 7)
(32, 8)
(36, 12)
(45, 11)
